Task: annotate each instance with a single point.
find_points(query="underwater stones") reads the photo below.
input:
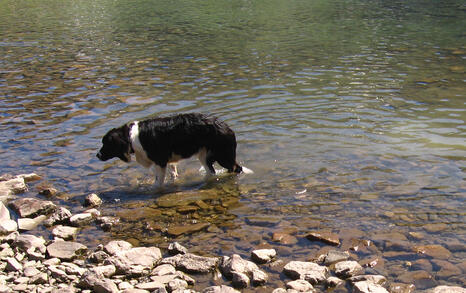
(186, 229)
(262, 221)
(324, 236)
(32, 207)
(434, 251)
(185, 198)
(284, 238)
(334, 256)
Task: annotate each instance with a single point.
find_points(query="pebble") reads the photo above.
(262, 256)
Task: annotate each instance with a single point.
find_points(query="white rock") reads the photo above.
(346, 269)
(300, 286)
(263, 255)
(8, 226)
(368, 287)
(309, 271)
(448, 289)
(65, 232)
(81, 219)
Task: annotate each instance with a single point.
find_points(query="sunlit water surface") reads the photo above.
(351, 114)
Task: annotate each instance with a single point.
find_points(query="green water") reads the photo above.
(351, 114)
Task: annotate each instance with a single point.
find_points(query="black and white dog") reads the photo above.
(160, 141)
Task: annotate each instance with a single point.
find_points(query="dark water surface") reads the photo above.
(351, 113)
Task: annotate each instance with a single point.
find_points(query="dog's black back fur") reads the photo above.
(186, 134)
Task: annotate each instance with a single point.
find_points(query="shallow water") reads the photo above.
(351, 114)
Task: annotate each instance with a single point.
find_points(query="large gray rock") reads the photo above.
(309, 271)
(32, 207)
(65, 250)
(242, 272)
(349, 268)
(135, 261)
(192, 263)
(116, 246)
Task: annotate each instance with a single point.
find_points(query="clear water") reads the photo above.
(351, 113)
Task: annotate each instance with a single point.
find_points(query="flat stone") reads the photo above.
(12, 265)
(192, 263)
(65, 250)
(30, 243)
(308, 271)
(447, 269)
(262, 256)
(27, 224)
(300, 286)
(8, 226)
(334, 256)
(420, 279)
(65, 232)
(186, 229)
(184, 198)
(284, 238)
(164, 269)
(434, 251)
(262, 221)
(324, 236)
(116, 246)
(376, 279)
(105, 286)
(401, 288)
(448, 289)
(368, 287)
(135, 261)
(150, 286)
(31, 207)
(346, 269)
(81, 219)
(107, 271)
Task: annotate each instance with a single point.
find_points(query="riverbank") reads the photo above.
(31, 263)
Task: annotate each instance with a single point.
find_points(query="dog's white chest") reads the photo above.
(140, 153)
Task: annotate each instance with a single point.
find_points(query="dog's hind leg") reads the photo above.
(159, 175)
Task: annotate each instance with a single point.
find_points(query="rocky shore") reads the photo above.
(30, 263)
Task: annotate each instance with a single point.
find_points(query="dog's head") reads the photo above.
(116, 144)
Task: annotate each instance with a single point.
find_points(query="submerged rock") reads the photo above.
(324, 236)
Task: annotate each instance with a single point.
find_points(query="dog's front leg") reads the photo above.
(159, 175)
